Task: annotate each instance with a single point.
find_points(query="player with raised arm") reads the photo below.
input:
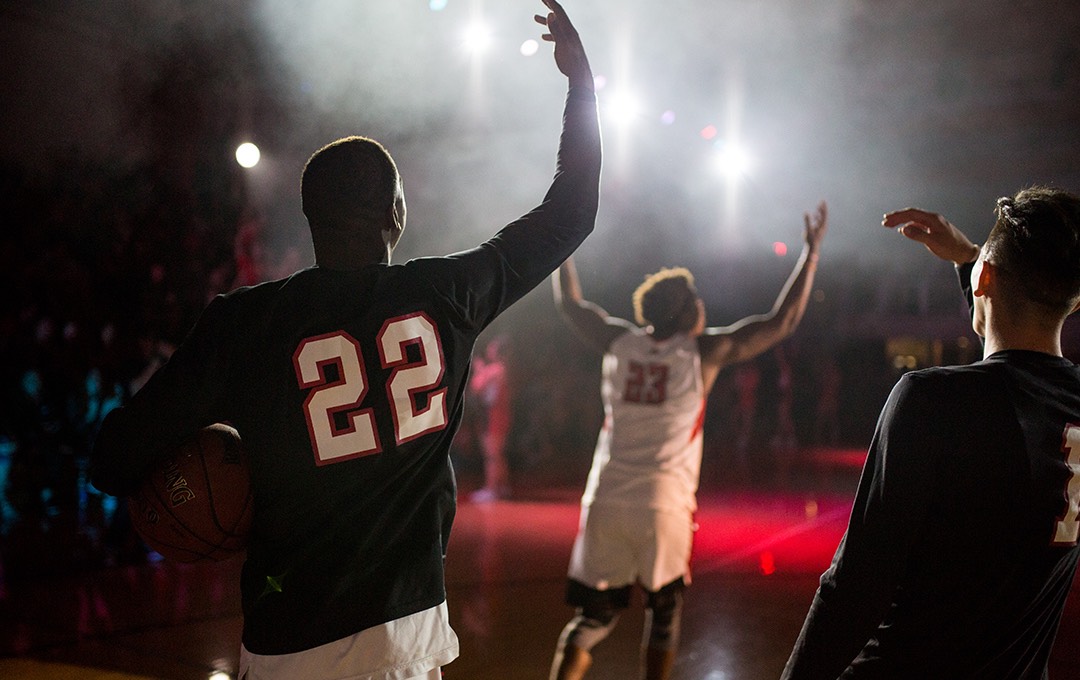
(962, 542)
(637, 509)
(346, 381)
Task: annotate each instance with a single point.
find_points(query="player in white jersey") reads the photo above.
(637, 510)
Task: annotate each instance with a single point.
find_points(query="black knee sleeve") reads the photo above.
(597, 613)
(665, 606)
(585, 632)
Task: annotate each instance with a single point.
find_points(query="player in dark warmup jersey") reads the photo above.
(962, 542)
(346, 382)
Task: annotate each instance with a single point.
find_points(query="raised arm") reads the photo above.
(529, 249)
(942, 239)
(589, 321)
(722, 346)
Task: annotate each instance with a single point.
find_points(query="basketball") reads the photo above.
(197, 504)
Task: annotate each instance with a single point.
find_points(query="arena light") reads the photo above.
(437, 5)
(477, 38)
(529, 47)
(732, 160)
(248, 155)
(621, 108)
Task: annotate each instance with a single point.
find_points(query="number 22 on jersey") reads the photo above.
(1068, 526)
(347, 390)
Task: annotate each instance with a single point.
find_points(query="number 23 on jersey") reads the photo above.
(409, 379)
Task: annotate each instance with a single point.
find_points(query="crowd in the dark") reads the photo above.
(106, 269)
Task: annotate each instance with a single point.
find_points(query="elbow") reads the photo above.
(788, 321)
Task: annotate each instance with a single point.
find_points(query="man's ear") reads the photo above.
(986, 276)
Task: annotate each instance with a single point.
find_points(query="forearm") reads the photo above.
(566, 285)
(579, 156)
(535, 244)
(794, 297)
(851, 600)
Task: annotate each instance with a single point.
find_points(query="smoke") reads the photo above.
(869, 105)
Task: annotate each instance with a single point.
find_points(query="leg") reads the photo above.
(662, 625)
(597, 614)
(571, 661)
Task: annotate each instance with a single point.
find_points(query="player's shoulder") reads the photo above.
(253, 298)
(948, 383)
(631, 336)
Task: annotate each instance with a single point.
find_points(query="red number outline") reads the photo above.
(319, 384)
(400, 364)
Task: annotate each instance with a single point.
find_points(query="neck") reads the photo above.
(1002, 335)
(351, 258)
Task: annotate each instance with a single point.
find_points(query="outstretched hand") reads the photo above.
(935, 232)
(816, 226)
(569, 52)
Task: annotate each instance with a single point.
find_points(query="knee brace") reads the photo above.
(597, 613)
(665, 615)
(585, 632)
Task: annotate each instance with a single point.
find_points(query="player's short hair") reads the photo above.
(1036, 243)
(346, 179)
(661, 295)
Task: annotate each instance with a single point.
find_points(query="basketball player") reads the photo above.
(637, 509)
(961, 546)
(346, 381)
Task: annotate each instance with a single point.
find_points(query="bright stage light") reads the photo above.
(622, 108)
(247, 155)
(667, 117)
(437, 5)
(529, 47)
(732, 160)
(477, 38)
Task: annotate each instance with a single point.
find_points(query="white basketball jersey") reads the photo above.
(648, 453)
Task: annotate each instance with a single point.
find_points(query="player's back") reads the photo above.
(987, 578)
(649, 451)
(347, 388)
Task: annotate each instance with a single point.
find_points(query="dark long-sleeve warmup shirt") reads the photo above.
(347, 388)
(962, 543)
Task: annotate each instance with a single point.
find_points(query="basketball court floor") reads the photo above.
(758, 554)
